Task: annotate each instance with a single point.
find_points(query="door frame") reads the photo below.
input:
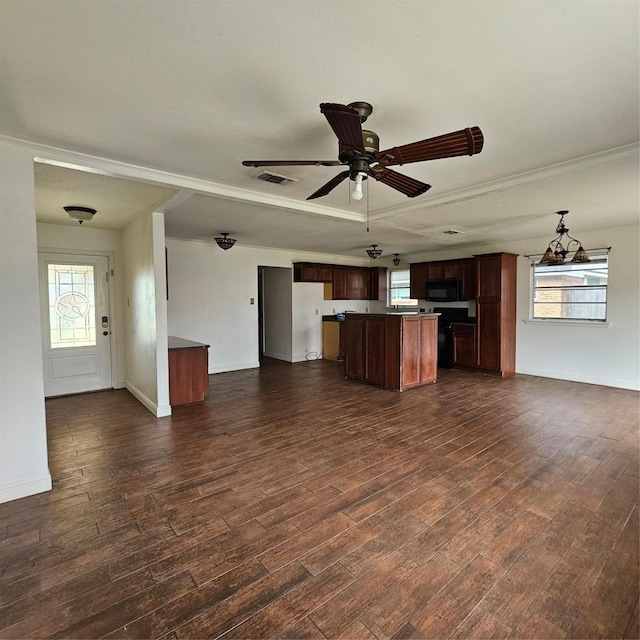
(113, 307)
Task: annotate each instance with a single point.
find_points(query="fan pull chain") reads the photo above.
(367, 206)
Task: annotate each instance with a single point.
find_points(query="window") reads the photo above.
(571, 291)
(399, 292)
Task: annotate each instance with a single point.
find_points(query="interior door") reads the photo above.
(76, 334)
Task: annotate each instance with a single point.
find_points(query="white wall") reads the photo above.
(308, 299)
(87, 240)
(277, 313)
(145, 312)
(210, 293)
(23, 438)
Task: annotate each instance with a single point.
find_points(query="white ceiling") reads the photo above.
(176, 93)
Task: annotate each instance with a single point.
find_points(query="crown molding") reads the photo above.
(115, 169)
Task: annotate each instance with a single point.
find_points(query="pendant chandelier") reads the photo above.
(225, 242)
(374, 252)
(557, 251)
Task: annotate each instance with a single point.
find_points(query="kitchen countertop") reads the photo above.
(395, 313)
(182, 343)
(334, 318)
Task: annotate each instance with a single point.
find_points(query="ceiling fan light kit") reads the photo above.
(224, 242)
(358, 149)
(80, 214)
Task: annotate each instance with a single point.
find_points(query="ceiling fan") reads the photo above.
(358, 149)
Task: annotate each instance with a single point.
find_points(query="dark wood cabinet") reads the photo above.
(311, 272)
(418, 276)
(395, 351)
(347, 283)
(422, 272)
(464, 345)
(364, 349)
(377, 284)
(357, 281)
(188, 371)
(496, 312)
(468, 278)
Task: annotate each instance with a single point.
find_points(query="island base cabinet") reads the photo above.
(364, 349)
(393, 351)
(188, 375)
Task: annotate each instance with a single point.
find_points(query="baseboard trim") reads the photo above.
(235, 367)
(159, 411)
(605, 382)
(25, 488)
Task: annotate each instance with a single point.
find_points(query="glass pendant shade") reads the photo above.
(548, 257)
(225, 242)
(581, 256)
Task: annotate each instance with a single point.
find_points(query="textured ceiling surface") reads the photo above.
(187, 89)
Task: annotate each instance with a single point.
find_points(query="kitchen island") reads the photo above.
(188, 371)
(394, 350)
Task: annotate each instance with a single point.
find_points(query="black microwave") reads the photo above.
(443, 290)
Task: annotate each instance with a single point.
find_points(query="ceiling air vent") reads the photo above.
(267, 176)
(452, 232)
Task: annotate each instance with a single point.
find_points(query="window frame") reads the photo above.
(414, 301)
(599, 258)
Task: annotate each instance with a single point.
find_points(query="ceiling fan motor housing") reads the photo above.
(354, 158)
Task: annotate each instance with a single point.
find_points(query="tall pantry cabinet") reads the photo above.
(496, 312)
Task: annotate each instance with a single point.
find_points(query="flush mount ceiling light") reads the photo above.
(374, 252)
(396, 259)
(224, 242)
(557, 252)
(81, 214)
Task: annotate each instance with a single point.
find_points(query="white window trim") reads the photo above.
(397, 307)
(603, 324)
(594, 324)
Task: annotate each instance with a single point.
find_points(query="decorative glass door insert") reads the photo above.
(72, 305)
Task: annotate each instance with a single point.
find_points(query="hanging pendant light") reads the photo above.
(556, 252)
(374, 252)
(396, 259)
(225, 242)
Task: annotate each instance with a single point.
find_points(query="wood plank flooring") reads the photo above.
(294, 503)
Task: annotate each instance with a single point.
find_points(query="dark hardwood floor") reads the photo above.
(294, 503)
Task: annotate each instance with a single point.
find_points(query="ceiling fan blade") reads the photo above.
(409, 186)
(332, 184)
(291, 163)
(465, 142)
(345, 122)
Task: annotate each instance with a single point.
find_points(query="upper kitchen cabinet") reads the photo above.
(347, 283)
(496, 312)
(311, 272)
(377, 284)
(468, 279)
(444, 270)
(350, 283)
(418, 274)
(463, 270)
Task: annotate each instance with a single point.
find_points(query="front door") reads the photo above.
(76, 334)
